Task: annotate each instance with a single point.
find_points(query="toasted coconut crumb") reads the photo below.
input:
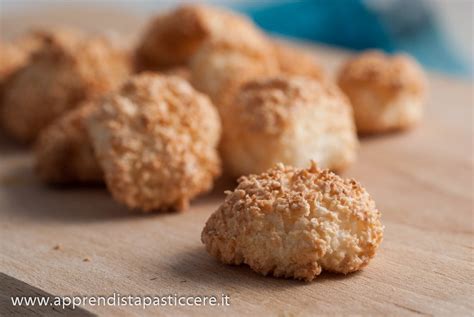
(294, 223)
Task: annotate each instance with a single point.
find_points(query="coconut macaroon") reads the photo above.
(13, 55)
(295, 61)
(220, 67)
(11, 58)
(64, 70)
(294, 223)
(64, 153)
(16, 53)
(156, 139)
(181, 71)
(173, 37)
(287, 119)
(386, 92)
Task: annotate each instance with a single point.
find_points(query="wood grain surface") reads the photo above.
(422, 182)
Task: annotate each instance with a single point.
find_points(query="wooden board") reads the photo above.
(422, 182)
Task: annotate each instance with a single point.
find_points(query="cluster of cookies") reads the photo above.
(206, 91)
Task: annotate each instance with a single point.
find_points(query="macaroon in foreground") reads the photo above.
(288, 119)
(294, 223)
(387, 92)
(155, 139)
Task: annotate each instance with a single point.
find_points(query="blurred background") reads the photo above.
(439, 33)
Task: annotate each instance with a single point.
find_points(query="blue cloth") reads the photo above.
(408, 25)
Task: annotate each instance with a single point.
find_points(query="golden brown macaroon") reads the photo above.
(291, 120)
(295, 61)
(294, 223)
(64, 153)
(220, 67)
(16, 53)
(173, 37)
(180, 71)
(66, 69)
(386, 92)
(12, 57)
(156, 141)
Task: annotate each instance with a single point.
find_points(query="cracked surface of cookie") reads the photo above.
(173, 37)
(291, 120)
(156, 141)
(387, 92)
(294, 223)
(64, 70)
(220, 67)
(64, 153)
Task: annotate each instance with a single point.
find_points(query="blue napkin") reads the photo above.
(403, 25)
